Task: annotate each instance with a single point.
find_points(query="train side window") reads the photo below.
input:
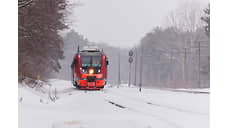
(74, 63)
(106, 63)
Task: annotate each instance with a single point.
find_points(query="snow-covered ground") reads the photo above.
(112, 108)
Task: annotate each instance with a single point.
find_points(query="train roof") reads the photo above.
(90, 49)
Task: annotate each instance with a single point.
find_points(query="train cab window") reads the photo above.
(96, 61)
(88, 61)
(85, 61)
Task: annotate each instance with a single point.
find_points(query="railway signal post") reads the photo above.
(130, 60)
(118, 71)
(135, 66)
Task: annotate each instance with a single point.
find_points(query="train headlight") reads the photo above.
(83, 70)
(99, 70)
(91, 71)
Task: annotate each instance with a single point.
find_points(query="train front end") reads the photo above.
(89, 69)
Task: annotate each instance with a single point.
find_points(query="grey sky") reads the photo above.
(121, 23)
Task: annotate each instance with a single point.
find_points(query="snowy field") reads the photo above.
(111, 108)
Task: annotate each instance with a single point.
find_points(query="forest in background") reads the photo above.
(176, 55)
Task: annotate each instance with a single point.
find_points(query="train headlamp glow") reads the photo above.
(91, 71)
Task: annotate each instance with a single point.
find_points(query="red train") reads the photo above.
(89, 68)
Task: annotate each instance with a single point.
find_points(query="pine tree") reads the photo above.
(206, 19)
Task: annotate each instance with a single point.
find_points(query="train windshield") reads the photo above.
(88, 61)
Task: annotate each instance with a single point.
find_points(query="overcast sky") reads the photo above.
(121, 23)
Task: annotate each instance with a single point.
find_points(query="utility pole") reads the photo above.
(118, 70)
(171, 68)
(135, 66)
(141, 69)
(159, 69)
(129, 83)
(199, 65)
(184, 69)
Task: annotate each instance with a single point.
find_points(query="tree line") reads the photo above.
(177, 55)
(39, 42)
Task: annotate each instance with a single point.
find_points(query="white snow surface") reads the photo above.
(112, 107)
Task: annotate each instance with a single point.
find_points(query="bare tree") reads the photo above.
(39, 44)
(186, 17)
(206, 19)
(24, 3)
